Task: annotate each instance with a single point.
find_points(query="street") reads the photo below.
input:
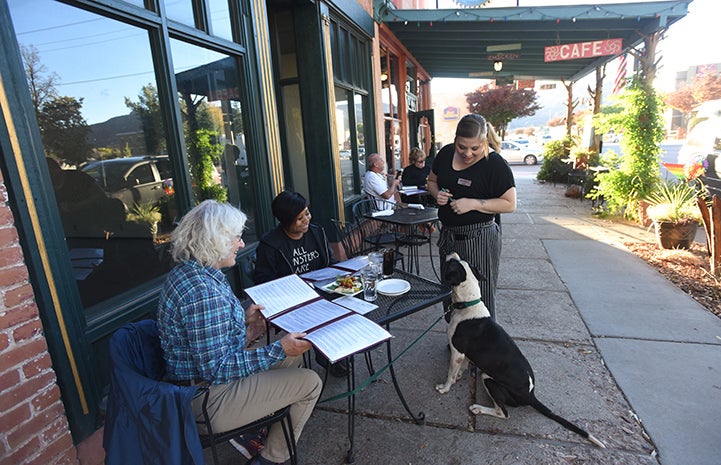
(669, 152)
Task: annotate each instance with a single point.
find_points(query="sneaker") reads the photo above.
(248, 446)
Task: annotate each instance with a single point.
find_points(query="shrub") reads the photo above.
(554, 169)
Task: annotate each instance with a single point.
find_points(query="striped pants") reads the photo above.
(480, 245)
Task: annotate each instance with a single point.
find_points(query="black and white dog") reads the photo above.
(473, 335)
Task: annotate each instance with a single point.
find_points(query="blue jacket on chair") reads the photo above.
(148, 421)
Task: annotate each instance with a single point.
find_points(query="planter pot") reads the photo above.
(675, 235)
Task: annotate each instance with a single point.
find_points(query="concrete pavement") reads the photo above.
(615, 348)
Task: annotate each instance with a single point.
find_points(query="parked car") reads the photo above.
(132, 179)
(704, 140)
(516, 153)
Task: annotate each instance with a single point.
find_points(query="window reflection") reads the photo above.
(220, 19)
(209, 97)
(180, 10)
(104, 140)
(343, 129)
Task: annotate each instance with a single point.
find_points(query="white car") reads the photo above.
(517, 153)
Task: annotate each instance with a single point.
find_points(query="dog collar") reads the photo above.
(460, 305)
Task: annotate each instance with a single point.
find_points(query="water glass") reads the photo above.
(369, 276)
(376, 260)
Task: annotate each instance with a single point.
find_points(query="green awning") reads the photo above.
(455, 42)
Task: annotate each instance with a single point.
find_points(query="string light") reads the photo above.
(538, 11)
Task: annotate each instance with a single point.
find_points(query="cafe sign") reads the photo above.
(578, 50)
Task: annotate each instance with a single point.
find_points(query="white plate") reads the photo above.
(393, 287)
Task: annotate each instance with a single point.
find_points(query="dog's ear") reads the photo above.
(455, 274)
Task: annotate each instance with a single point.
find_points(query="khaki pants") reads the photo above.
(241, 402)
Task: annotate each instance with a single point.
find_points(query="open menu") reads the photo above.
(293, 306)
(352, 265)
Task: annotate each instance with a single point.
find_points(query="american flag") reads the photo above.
(620, 76)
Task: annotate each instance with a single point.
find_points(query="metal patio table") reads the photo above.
(422, 294)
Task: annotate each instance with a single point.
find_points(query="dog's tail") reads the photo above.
(536, 404)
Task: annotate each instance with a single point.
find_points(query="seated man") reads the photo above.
(204, 332)
(374, 181)
(295, 246)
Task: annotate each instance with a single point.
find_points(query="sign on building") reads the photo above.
(583, 50)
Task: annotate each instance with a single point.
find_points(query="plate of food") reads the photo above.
(346, 284)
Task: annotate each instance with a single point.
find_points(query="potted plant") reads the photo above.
(675, 214)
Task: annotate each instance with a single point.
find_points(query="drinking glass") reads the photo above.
(389, 262)
(369, 276)
(376, 259)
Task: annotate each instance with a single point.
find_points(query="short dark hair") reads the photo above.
(287, 206)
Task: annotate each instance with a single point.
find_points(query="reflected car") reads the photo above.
(132, 180)
(517, 153)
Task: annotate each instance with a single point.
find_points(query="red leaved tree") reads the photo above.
(500, 105)
(705, 87)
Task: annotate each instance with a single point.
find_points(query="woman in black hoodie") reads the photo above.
(294, 246)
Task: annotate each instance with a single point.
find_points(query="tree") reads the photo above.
(64, 130)
(500, 105)
(147, 108)
(641, 118)
(41, 83)
(571, 105)
(705, 87)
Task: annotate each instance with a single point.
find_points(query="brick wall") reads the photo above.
(34, 427)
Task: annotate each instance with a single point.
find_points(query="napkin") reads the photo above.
(382, 213)
(416, 205)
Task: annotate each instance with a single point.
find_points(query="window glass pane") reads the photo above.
(295, 142)
(344, 141)
(103, 135)
(220, 19)
(180, 10)
(139, 3)
(360, 124)
(209, 95)
(285, 33)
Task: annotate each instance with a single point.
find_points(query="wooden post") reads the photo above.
(712, 226)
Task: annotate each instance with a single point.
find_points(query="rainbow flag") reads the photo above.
(676, 169)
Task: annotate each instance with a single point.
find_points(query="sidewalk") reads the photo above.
(615, 348)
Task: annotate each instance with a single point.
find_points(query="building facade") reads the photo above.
(118, 117)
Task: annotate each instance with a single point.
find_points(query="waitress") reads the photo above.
(471, 184)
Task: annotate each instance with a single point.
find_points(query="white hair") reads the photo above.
(206, 232)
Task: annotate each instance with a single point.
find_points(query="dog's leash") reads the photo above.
(375, 375)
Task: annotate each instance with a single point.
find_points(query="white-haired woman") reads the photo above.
(205, 332)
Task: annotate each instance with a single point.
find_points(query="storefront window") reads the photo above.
(220, 19)
(105, 143)
(180, 10)
(209, 98)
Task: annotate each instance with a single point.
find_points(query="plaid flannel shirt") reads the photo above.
(202, 328)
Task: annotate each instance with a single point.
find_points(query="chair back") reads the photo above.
(370, 205)
(349, 237)
(142, 409)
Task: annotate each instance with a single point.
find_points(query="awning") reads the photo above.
(465, 42)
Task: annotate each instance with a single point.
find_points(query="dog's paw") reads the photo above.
(476, 409)
(443, 388)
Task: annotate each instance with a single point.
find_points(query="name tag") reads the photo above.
(464, 182)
